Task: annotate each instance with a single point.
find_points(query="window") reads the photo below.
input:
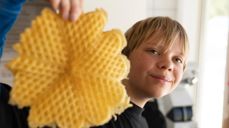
(213, 64)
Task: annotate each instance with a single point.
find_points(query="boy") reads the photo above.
(157, 50)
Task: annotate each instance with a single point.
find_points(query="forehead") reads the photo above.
(165, 43)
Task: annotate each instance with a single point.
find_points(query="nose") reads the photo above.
(165, 63)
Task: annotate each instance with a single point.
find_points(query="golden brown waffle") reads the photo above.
(69, 73)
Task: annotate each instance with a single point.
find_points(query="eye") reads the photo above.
(179, 60)
(154, 52)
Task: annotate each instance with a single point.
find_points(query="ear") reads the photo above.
(185, 65)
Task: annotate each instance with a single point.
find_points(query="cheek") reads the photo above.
(135, 70)
(178, 75)
(140, 66)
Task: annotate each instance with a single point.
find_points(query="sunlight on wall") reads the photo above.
(213, 73)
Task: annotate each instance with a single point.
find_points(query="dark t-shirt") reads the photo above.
(130, 118)
(12, 117)
(154, 117)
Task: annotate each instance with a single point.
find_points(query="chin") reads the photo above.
(157, 95)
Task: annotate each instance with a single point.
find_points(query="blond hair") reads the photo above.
(143, 30)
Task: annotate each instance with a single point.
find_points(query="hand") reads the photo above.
(69, 9)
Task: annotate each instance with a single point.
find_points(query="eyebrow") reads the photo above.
(161, 47)
(181, 53)
(155, 45)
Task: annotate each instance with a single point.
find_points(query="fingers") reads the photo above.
(69, 9)
(76, 9)
(55, 4)
(65, 9)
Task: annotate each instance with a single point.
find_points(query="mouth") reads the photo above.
(161, 78)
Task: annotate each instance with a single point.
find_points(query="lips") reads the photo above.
(162, 78)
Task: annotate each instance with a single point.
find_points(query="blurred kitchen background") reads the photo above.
(205, 87)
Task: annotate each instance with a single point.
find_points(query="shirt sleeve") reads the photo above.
(9, 10)
(110, 124)
(11, 116)
(120, 122)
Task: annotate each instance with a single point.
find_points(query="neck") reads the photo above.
(138, 102)
(136, 96)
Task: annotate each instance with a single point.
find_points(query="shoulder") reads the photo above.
(119, 122)
(4, 92)
(130, 118)
(10, 116)
(111, 124)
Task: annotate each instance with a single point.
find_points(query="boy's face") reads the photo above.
(154, 73)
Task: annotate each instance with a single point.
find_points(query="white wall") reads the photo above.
(122, 14)
(162, 8)
(188, 14)
(226, 92)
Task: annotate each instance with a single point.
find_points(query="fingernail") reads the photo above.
(65, 16)
(57, 11)
(74, 17)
